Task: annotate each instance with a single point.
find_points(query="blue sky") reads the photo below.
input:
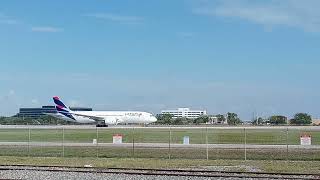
(240, 56)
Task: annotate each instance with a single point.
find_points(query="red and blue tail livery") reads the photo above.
(62, 109)
(57, 101)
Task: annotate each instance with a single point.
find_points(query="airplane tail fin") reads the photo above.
(59, 103)
(61, 108)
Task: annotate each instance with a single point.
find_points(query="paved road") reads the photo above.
(158, 145)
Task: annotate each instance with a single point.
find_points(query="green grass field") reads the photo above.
(197, 136)
(161, 153)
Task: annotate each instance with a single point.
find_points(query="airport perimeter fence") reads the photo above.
(238, 143)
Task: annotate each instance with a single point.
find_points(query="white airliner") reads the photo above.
(108, 117)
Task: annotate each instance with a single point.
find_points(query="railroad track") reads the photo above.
(162, 172)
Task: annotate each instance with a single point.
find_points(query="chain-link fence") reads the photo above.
(239, 143)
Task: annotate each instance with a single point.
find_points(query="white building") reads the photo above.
(213, 119)
(185, 112)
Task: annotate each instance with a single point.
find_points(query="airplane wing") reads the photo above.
(109, 120)
(96, 118)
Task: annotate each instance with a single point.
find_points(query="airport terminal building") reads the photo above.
(185, 113)
(38, 112)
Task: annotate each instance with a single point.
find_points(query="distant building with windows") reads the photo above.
(185, 113)
(213, 119)
(38, 112)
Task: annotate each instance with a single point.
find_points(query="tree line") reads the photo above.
(298, 119)
(233, 119)
(43, 120)
(168, 119)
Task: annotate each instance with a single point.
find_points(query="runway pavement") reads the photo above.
(159, 145)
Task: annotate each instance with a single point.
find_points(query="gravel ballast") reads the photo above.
(41, 175)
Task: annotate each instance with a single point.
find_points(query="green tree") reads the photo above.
(278, 119)
(33, 121)
(301, 119)
(233, 119)
(164, 119)
(16, 121)
(201, 120)
(221, 118)
(178, 121)
(258, 121)
(46, 120)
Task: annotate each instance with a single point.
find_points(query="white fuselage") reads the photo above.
(112, 117)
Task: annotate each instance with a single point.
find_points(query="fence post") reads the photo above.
(97, 147)
(287, 143)
(169, 143)
(133, 142)
(29, 138)
(62, 141)
(207, 143)
(245, 144)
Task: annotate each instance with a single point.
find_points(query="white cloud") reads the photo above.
(4, 19)
(117, 18)
(46, 29)
(292, 13)
(9, 21)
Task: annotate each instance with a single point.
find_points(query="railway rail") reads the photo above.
(162, 172)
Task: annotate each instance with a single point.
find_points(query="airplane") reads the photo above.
(104, 117)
